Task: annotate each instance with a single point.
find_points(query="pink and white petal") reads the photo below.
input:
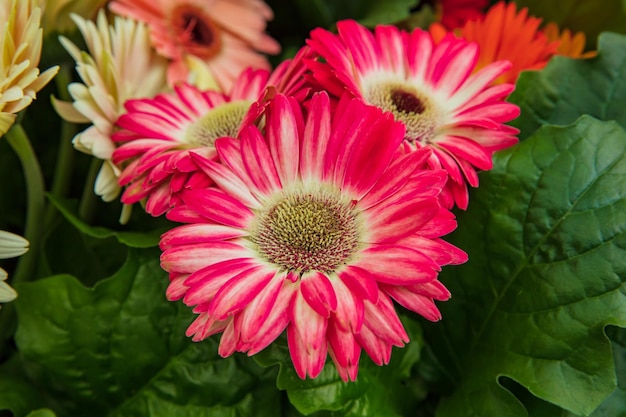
(252, 318)
(306, 336)
(362, 45)
(315, 138)
(398, 217)
(277, 320)
(176, 288)
(468, 150)
(374, 149)
(398, 265)
(190, 258)
(239, 291)
(318, 292)
(420, 304)
(229, 340)
(391, 42)
(204, 284)
(349, 312)
(258, 161)
(383, 320)
(218, 206)
(226, 180)
(359, 282)
(376, 348)
(395, 177)
(440, 251)
(344, 351)
(283, 138)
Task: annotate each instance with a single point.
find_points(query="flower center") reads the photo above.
(195, 32)
(221, 121)
(409, 105)
(307, 231)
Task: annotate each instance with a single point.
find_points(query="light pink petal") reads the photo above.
(237, 293)
(283, 138)
(252, 318)
(420, 304)
(219, 207)
(306, 336)
(229, 340)
(344, 351)
(190, 258)
(226, 180)
(395, 177)
(383, 320)
(316, 136)
(349, 312)
(198, 233)
(400, 216)
(397, 265)
(277, 319)
(377, 349)
(360, 282)
(206, 282)
(361, 44)
(258, 161)
(318, 293)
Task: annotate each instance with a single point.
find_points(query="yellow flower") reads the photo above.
(20, 41)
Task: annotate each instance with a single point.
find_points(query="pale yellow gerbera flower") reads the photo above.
(20, 41)
(56, 15)
(120, 65)
(11, 245)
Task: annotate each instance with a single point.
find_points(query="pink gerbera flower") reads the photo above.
(226, 34)
(430, 88)
(315, 228)
(157, 134)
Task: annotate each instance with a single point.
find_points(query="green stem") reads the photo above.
(88, 201)
(35, 189)
(64, 167)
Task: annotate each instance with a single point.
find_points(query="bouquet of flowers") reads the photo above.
(276, 208)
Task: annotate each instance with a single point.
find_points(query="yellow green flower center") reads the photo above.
(305, 231)
(221, 121)
(415, 109)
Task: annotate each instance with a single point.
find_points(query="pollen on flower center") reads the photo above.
(221, 121)
(195, 31)
(308, 231)
(415, 109)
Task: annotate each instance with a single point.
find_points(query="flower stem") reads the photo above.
(88, 201)
(65, 158)
(35, 189)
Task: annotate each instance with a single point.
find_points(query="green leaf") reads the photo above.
(568, 88)
(378, 390)
(17, 394)
(545, 234)
(130, 238)
(44, 412)
(325, 13)
(119, 349)
(589, 16)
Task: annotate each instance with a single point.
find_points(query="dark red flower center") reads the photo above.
(195, 32)
(407, 102)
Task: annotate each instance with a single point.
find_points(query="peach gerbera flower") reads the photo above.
(226, 34)
(504, 33)
(570, 44)
(20, 40)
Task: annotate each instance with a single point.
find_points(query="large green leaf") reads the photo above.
(568, 88)
(378, 390)
(546, 238)
(119, 350)
(589, 16)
